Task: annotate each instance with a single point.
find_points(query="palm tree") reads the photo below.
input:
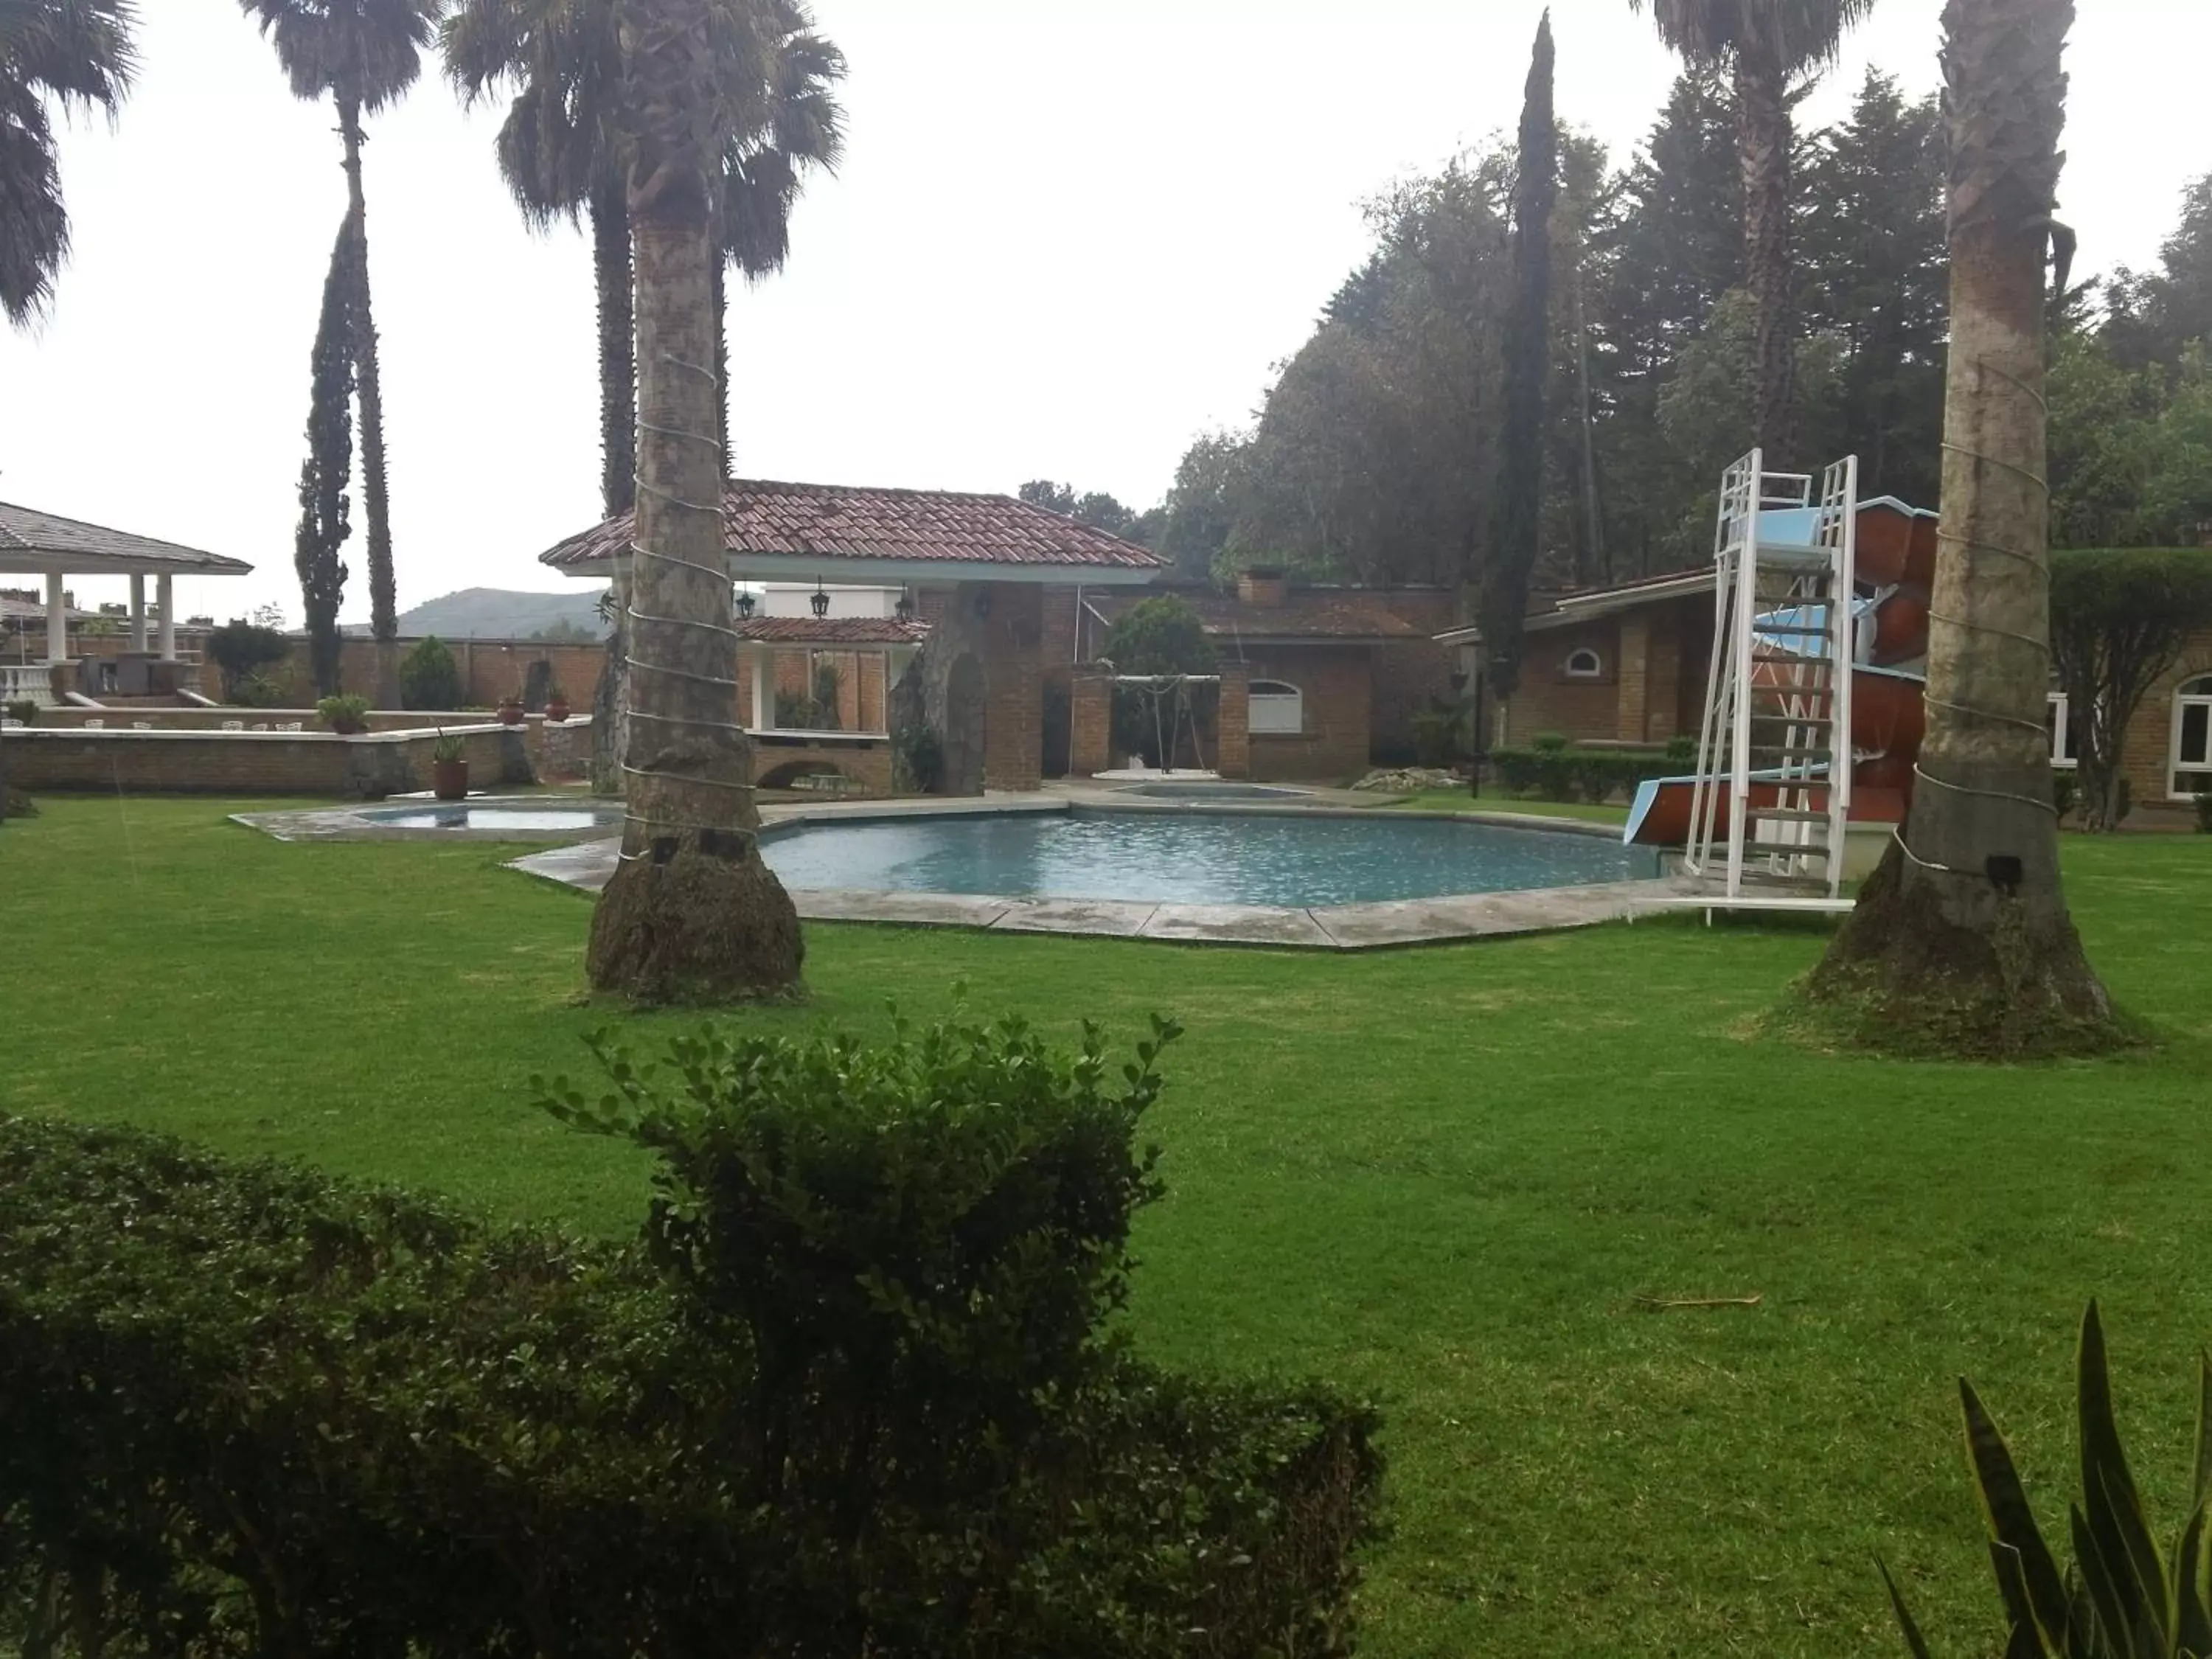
(691, 912)
(363, 55)
(561, 151)
(77, 52)
(1763, 42)
(1962, 936)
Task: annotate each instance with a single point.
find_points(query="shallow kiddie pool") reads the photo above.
(462, 816)
(1296, 858)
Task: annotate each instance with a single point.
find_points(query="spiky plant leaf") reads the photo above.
(2192, 1622)
(1914, 1641)
(2200, 1488)
(2012, 1585)
(2115, 1511)
(2119, 1634)
(2011, 1522)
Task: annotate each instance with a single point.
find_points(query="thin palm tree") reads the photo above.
(363, 55)
(562, 152)
(691, 912)
(1962, 937)
(1763, 44)
(76, 53)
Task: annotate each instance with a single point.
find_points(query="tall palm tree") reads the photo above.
(561, 150)
(1962, 935)
(691, 912)
(1763, 42)
(363, 55)
(76, 53)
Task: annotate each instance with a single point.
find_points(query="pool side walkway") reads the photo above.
(587, 865)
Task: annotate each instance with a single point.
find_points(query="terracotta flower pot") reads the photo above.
(510, 712)
(449, 779)
(557, 708)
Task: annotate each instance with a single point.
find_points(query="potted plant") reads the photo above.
(346, 714)
(449, 768)
(510, 709)
(556, 703)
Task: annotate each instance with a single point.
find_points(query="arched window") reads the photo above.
(2191, 753)
(1277, 706)
(1584, 664)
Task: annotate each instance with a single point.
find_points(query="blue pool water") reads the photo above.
(1198, 858)
(461, 817)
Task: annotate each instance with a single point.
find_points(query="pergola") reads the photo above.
(32, 542)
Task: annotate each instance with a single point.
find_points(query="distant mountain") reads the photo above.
(500, 613)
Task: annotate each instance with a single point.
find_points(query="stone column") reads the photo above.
(1629, 676)
(138, 612)
(1091, 716)
(1233, 740)
(165, 595)
(1013, 682)
(57, 618)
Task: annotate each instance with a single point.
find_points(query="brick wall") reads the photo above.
(1335, 683)
(1409, 675)
(1013, 731)
(1232, 737)
(255, 763)
(866, 761)
(2146, 759)
(489, 668)
(1547, 700)
(1091, 715)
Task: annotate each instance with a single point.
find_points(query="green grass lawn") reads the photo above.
(1440, 1175)
(1458, 800)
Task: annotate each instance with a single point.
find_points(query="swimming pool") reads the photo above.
(461, 816)
(1299, 859)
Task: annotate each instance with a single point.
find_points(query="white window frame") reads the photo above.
(1594, 671)
(1275, 708)
(2195, 692)
(2062, 754)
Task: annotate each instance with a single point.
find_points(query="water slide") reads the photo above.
(1896, 570)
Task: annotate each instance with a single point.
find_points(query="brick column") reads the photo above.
(1663, 677)
(1090, 713)
(1233, 742)
(1635, 646)
(1013, 681)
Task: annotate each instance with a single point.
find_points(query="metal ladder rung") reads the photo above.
(1785, 815)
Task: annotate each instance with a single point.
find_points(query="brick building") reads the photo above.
(1626, 664)
(974, 568)
(1335, 674)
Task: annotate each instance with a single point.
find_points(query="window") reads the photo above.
(1584, 664)
(2191, 753)
(2065, 731)
(1278, 707)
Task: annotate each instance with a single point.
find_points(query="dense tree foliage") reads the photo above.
(1375, 455)
(74, 53)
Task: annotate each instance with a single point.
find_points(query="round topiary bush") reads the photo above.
(428, 676)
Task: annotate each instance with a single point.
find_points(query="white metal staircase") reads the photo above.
(1768, 811)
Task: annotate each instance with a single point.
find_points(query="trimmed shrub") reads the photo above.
(1591, 774)
(849, 1394)
(242, 649)
(428, 676)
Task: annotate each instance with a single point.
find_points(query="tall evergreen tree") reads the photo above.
(324, 506)
(1516, 502)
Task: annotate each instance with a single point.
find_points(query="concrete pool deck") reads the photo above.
(588, 865)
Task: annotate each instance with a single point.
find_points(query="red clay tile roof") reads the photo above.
(838, 521)
(833, 630)
(1320, 614)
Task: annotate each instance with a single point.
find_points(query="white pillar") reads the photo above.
(57, 619)
(164, 597)
(763, 691)
(138, 612)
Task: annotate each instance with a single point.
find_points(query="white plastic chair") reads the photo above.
(288, 726)
(234, 725)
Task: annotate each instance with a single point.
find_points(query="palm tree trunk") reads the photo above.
(1962, 937)
(691, 914)
(375, 499)
(610, 271)
(1762, 113)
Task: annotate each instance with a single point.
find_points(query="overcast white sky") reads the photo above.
(1069, 235)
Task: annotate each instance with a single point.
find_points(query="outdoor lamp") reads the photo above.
(745, 605)
(904, 608)
(820, 602)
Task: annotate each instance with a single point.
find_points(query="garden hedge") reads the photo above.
(1592, 775)
(250, 1408)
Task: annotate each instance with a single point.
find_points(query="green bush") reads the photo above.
(1548, 742)
(1441, 733)
(1591, 774)
(346, 711)
(2065, 789)
(428, 676)
(256, 691)
(24, 709)
(1681, 749)
(242, 649)
(2122, 1596)
(848, 1395)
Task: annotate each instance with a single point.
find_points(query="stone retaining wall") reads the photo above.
(217, 762)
